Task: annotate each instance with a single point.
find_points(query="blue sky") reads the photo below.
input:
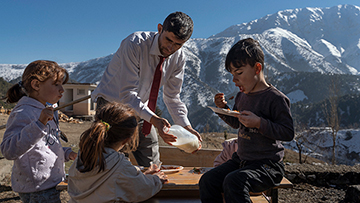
(79, 30)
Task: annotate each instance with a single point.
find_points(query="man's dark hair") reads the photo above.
(245, 51)
(180, 24)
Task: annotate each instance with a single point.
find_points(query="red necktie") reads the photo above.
(153, 94)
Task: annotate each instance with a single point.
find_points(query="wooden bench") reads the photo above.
(258, 199)
(62, 186)
(271, 195)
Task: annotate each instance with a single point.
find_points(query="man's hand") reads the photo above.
(190, 129)
(161, 124)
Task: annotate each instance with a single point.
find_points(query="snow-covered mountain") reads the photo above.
(325, 40)
(309, 39)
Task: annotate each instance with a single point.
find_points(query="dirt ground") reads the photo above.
(301, 192)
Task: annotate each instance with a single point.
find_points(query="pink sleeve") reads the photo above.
(229, 147)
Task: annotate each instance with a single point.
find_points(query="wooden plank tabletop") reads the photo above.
(183, 186)
(183, 180)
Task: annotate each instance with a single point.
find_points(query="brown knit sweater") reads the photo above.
(273, 107)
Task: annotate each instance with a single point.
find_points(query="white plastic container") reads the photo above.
(185, 141)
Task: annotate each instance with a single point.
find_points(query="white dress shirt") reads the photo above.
(129, 75)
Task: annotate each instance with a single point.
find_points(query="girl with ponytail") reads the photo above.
(103, 174)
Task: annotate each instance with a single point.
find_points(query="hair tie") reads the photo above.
(20, 84)
(107, 125)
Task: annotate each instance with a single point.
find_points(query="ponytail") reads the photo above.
(15, 93)
(92, 147)
(114, 123)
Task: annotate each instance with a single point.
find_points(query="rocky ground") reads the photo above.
(309, 179)
(320, 183)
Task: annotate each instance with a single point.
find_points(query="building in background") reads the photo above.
(74, 91)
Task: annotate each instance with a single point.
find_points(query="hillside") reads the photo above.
(309, 92)
(303, 191)
(305, 53)
(312, 114)
(302, 48)
(306, 50)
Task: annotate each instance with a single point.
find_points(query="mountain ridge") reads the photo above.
(303, 49)
(293, 40)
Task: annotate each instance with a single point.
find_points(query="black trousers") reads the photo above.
(236, 178)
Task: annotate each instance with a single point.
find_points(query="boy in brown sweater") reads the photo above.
(264, 121)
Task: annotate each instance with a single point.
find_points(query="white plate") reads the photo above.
(224, 111)
(178, 168)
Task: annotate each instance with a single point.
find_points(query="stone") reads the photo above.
(353, 193)
(311, 177)
(302, 176)
(291, 176)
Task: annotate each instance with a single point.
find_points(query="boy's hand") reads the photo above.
(249, 119)
(219, 100)
(46, 115)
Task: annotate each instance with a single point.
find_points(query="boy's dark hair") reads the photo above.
(180, 24)
(245, 51)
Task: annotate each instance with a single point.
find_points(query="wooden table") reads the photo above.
(185, 179)
(183, 186)
(182, 180)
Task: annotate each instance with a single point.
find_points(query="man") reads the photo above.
(129, 79)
